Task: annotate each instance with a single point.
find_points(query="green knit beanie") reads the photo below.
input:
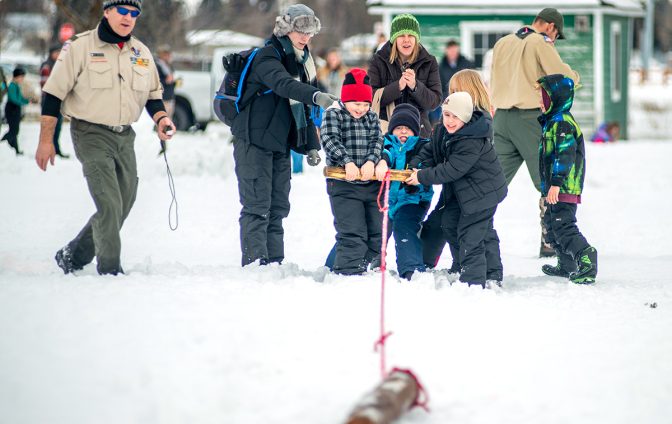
(404, 24)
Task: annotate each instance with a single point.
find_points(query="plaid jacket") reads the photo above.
(346, 139)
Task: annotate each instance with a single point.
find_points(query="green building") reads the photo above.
(598, 45)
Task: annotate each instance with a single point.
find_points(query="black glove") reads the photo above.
(233, 63)
(411, 189)
(313, 158)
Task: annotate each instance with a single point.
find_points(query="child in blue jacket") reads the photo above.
(408, 204)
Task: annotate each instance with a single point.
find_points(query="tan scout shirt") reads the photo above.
(100, 83)
(517, 64)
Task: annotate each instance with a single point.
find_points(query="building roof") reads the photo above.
(216, 38)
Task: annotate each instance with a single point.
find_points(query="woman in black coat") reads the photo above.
(283, 84)
(406, 72)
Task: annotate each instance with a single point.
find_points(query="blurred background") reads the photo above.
(622, 48)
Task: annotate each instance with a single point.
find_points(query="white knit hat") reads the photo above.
(459, 104)
(110, 3)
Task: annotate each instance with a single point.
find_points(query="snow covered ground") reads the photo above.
(187, 336)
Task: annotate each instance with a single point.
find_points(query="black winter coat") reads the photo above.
(448, 71)
(465, 161)
(268, 122)
(427, 94)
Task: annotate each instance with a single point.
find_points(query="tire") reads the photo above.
(182, 117)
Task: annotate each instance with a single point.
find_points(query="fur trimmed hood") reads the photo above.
(299, 18)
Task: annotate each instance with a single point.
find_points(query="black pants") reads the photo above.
(441, 227)
(358, 223)
(563, 234)
(479, 247)
(263, 188)
(13, 116)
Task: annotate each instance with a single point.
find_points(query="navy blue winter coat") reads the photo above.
(467, 161)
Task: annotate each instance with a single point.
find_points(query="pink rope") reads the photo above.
(380, 343)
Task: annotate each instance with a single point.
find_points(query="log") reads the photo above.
(387, 402)
(338, 173)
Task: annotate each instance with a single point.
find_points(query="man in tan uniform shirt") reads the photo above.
(518, 61)
(102, 80)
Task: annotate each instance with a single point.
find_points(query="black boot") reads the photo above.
(587, 263)
(64, 260)
(566, 265)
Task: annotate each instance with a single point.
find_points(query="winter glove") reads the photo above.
(233, 64)
(411, 189)
(313, 158)
(324, 100)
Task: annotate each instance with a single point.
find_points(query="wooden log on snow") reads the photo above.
(338, 173)
(387, 402)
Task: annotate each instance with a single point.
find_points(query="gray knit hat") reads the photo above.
(111, 3)
(299, 18)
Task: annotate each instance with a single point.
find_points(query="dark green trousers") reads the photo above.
(517, 138)
(108, 163)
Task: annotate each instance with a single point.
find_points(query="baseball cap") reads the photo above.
(552, 16)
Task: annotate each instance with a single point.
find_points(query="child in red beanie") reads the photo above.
(352, 139)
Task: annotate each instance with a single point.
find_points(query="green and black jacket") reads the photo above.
(561, 151)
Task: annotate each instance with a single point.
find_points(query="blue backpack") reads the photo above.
(232, 96)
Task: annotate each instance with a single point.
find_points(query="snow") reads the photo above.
(187, 336)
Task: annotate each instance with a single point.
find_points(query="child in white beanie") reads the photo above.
(462, 158)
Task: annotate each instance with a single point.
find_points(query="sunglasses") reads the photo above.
(124, 11)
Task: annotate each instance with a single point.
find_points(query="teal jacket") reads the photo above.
(398, 156)
(562, 157)
(15, 96)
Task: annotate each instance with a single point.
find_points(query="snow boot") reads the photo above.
(64, 260)
(566, 265)
(587, 263)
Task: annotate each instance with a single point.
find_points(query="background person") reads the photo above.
(518, 61)
(45, 71)
(406, 72)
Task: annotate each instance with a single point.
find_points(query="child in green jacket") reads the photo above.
(15, 102)
(562, 165)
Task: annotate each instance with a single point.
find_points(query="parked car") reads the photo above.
(195, 91)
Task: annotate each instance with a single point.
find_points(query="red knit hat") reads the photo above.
(356, 87)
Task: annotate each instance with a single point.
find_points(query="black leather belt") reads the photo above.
(114, 128)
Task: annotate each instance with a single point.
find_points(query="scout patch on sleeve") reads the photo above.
(64, 50)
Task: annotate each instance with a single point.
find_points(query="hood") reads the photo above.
(560, 90)
(391, 139)
(479, 126)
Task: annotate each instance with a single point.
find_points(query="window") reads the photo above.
(477, 37)
(616, 62)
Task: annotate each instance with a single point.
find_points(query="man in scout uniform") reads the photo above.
(518, 61)
(102, 80)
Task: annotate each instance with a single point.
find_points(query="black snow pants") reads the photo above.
(263, 188)
(563, 234)
(13, 116)
(358, 223)
(441, 227)
(479, 247)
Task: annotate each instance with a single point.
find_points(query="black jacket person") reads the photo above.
(266, 129)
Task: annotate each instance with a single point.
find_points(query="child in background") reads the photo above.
(351, 138)
(462, 158)
(407, 204)
(15, 103)
(562, 166)
(606, 132)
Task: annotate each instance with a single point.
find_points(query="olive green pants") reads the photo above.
(517, 138)
(108, 163)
